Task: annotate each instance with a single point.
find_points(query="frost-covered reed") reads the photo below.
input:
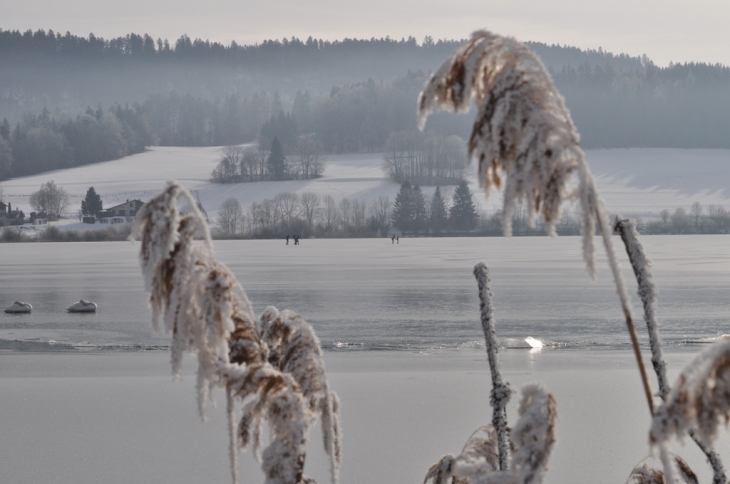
(486, 456)
(699, 400)
(532, 442)
(276, 371)
(523, 137)
(500, 393)
(641, 266)
(645, 473)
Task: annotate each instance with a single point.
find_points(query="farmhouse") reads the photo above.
(124, 212)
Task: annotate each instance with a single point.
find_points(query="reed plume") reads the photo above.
(532, 439)
(647, 474)
(209, 314)
(523, 136)
(699, 400)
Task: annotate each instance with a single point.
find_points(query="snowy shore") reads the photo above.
(119, 417)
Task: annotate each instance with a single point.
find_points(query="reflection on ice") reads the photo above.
(536, 344)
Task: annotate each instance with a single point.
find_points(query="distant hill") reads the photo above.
(72, 100)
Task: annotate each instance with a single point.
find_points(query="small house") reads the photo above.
(127, 211)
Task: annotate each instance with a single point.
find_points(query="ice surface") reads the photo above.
(120, 419)
(369, 293)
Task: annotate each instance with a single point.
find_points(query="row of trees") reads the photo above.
(425, 158)
(254, 163)
(414, 213)
(713, 219)
(310, 214)
(50, 142)
(645, 107)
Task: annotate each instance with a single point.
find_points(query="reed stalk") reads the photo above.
(499, 396)
(641, 265)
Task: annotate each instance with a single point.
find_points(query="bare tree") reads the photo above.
(228, 169)
(665, 216)
(309, 156)
(358, 219)
(250, 162)
(330, 214)
(424, 158)
(50, 199)
(380, 214)
(230, 217)
(311, 206)
(288, 206)
(696, 212)
(346, 214)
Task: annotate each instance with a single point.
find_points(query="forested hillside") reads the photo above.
(61, 94)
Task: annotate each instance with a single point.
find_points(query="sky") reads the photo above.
(665, 30)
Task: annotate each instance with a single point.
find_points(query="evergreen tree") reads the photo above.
(5, 130)
(277, 161)
(91, 204)
(439, 215)
(463, 214)
(403, 212)
(420, 214)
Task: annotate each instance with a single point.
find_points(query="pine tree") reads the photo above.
(5, 130)
(420, 214)
(91, 204)
(463, 214)
(439, 215)
(277, 161)
(403, 212)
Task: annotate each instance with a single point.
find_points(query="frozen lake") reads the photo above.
(370, 294)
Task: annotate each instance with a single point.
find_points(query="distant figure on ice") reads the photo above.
(392, 240)
(296, 240)
(397, 239)
(287, 240)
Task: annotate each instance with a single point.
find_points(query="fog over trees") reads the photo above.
(67, 100)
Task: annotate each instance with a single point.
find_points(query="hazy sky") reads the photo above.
(665, 30)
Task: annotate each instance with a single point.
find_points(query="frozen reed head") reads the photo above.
(157, 226)
(532, 441)
(279, 378)
(523, 135)
(646, 472)
(478, 458)
(533, 437)
(699, 400)
(295, 350)
(275, 398)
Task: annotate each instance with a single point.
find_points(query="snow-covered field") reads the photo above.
(638, 182)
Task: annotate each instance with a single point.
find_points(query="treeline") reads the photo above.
(279, 89)
(254, 163)
(424, 158)
(713, 219)
(52, 233)
(311, 215)
(50, 142)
